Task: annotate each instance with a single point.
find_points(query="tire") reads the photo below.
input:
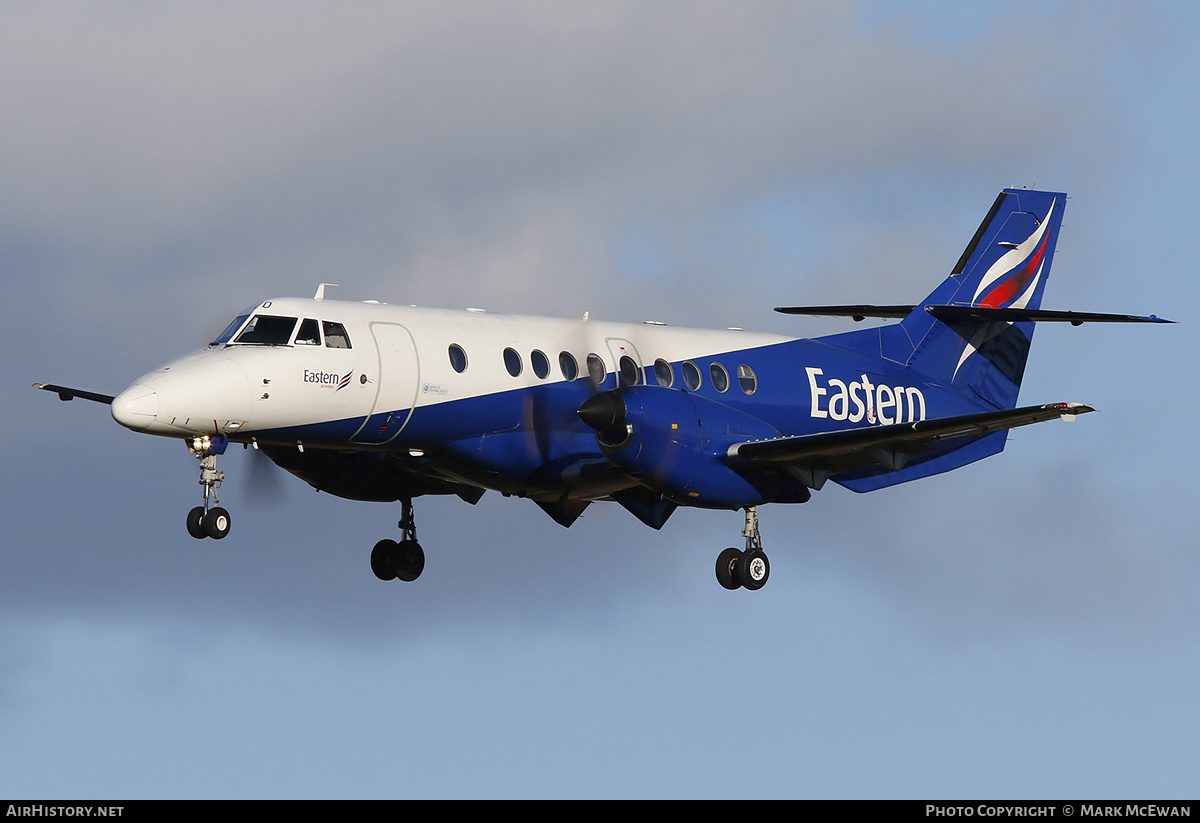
(754, 570)
(216, 523)
(410, 560)
(383, 559)
(195, 523)
(728, 563)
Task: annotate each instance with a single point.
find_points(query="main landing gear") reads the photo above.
(745, 569)
(208, 520)
(404, 560)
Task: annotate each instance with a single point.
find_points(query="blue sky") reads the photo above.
(1024, 627)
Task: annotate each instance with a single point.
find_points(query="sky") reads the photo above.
(1025, 627)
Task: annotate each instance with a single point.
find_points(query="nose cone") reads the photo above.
(200, 394)
(136, 408)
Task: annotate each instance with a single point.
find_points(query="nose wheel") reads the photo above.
(404, 560)
(747, 569)
(209, 520)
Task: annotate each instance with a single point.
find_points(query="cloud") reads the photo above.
(385, 142)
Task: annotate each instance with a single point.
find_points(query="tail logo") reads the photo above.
(1010, 282)
(1016, 273)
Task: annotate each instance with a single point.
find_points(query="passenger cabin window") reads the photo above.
(458, 358)
(720, 377)
(335, 336)
(567, 365)
(691, 375)
(268, 330)
(309, 334)
(663, 373)
(747, 379)
(540, 364)
(629, 371)
(596, 369)
(512, 362)
(230, 330)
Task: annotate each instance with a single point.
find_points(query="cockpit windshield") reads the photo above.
(227, 335)
(268, 330)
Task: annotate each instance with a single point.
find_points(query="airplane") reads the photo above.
(375, 402)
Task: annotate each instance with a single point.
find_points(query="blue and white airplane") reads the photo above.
(388, 403)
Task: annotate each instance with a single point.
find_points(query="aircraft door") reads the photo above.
(396, 378)
(627, 361)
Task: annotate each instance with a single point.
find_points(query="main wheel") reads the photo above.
(195, 523)
(754, 570)
(410, 560)
(383, 559)
(216, 523)
(728, 562)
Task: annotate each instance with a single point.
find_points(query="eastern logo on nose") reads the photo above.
(327, 379)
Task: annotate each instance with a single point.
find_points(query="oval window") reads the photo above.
(629, 371)
(691, 375)
(567, 365)
(747, 379)
(512, 362)
(458, 358)
(720, 377)
(539, 363)
(663, 373)
(596, 369)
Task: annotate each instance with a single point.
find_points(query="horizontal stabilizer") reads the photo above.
(1075, 318)
(65, 393)
(857, 312)
(816, 457)
(945, 313)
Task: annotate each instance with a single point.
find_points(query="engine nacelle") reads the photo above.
(675, 442)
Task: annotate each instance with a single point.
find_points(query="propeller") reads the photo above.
(264, 484)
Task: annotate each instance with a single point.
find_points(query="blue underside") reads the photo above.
(530, 435)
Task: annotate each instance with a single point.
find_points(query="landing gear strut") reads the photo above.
(404, 560)
(745, 569)
(209, 520)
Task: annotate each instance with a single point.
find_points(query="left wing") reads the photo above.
(815, 457)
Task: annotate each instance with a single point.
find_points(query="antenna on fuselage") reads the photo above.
(320, 295)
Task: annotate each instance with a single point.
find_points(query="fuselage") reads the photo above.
(492, 399)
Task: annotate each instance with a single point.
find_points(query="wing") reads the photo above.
(65, 393)
(814, 458)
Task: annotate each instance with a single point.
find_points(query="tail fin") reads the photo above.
(1005, 266)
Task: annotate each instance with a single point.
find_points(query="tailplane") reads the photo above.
(1003, 271)
(974, 330)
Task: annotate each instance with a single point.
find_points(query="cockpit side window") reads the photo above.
(335, 336)
(268, 330)
(230, 330)
(308, 334)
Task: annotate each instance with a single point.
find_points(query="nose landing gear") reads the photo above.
(404, 560)
(745, 569)
(208, 520)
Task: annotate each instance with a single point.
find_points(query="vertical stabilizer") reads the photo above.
(1006, 265)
